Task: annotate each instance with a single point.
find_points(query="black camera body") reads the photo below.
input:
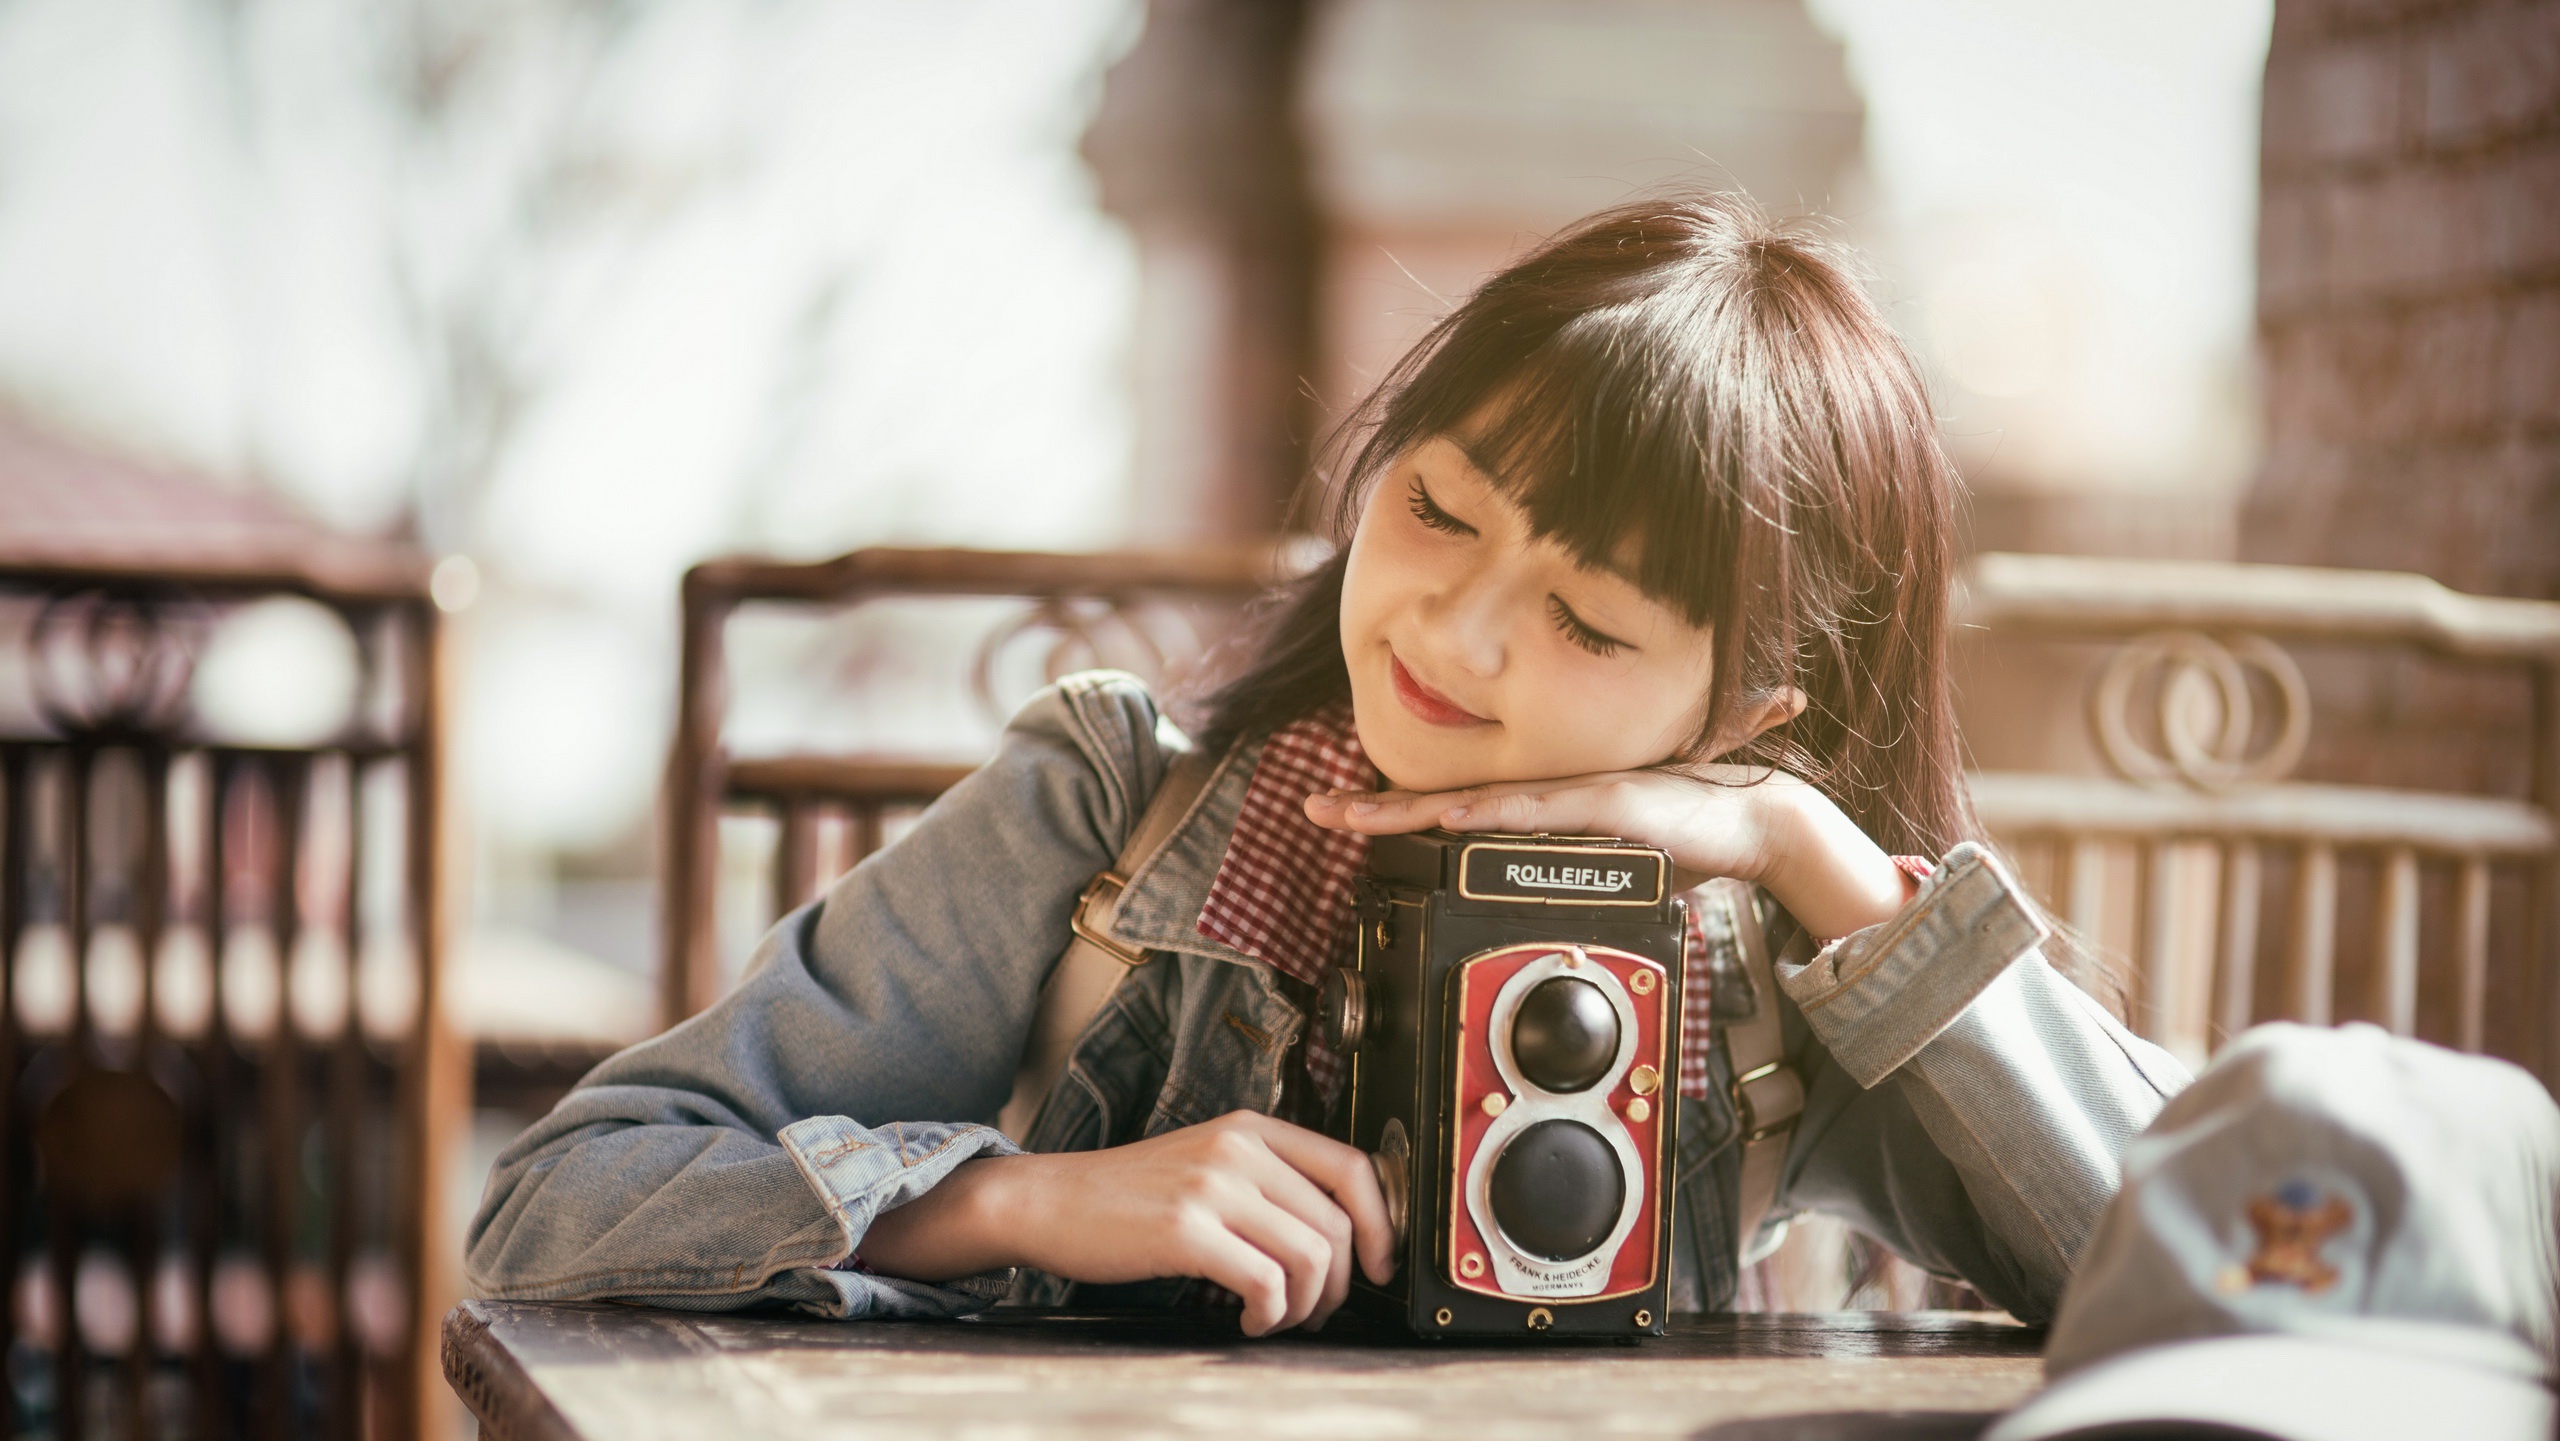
(1512, 1023)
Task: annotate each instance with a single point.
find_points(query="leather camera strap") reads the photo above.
(1768, 1095)
(1093, 964)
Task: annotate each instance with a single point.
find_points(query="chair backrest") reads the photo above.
(831, 806)
(218, 1017)
(2201, 714)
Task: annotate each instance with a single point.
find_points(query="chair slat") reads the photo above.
(2236, 1004)
(2471, 964)
(2396, 934)
(2085, 889)
(795, 856)
(2159, 920)
(2315, 934)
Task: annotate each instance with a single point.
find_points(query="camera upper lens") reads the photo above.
(1565, 1035)
(1556, 1190)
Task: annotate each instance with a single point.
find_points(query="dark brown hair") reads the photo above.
(1685, 377)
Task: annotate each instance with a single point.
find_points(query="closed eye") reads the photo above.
(1428, 511)
(1582, 632)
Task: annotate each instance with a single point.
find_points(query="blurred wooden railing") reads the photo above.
(2198, 709)
(2202, 715)
(226, 1085)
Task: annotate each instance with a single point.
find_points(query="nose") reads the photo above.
(1472, 622)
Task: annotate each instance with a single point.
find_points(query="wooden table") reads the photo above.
(551, 1372)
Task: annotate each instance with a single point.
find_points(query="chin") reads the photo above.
(1412, 756)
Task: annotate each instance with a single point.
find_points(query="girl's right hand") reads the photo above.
(1273, 1212)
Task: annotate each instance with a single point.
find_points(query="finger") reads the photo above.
(1565, 810)
(1345, 1174)
(1239, 1149)
(1376, 813)
(1212, 1251)
(1300, 1250)
(1380, 813)
(1289, 1189)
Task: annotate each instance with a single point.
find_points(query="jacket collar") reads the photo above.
(1160, 910)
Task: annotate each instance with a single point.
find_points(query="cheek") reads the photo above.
(1363, 593)
(1600, 719)
(1385, 568)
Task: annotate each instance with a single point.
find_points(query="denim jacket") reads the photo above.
(1966, 1104)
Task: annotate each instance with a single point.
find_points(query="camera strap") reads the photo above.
(1767, 1094)
(1094, 963)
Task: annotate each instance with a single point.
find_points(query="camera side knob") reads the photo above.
(1393, 1161)
(1342, 1011)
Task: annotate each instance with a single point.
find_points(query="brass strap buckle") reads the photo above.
(1749, 1115)
(1082, 923)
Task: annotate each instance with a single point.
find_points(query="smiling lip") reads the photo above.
(1428, 704)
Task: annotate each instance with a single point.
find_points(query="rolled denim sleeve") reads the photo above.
(1881, 994)
(739, 1158)
(1966, 1104)
(858, 1172)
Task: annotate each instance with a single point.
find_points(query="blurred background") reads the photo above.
(577, 294)
(538, 303)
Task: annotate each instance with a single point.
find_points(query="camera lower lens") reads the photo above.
(1556, 1190)
(1565, 1035)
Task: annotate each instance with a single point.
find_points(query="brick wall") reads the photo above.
(2409, 291)
(2409, 330)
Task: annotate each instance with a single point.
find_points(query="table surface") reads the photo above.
(548, 1372)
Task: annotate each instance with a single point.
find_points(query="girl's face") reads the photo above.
(1480, 653)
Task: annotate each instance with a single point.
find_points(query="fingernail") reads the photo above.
(1454, 813)
(1362, 808)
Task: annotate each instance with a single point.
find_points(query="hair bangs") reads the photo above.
(1611, 464)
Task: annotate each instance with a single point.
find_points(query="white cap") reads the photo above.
(2333, 1235)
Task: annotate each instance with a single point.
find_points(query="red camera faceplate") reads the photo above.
(1479, 982)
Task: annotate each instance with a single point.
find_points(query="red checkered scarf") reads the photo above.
(1283, 893)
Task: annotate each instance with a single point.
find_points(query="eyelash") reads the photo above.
(1579, 633)
(1428, 511)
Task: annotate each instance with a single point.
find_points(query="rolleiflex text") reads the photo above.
(1569, 878)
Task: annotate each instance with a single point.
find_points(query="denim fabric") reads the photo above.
(739, 1158)
(1879, 996)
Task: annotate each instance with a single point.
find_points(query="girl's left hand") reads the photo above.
(1760, 825)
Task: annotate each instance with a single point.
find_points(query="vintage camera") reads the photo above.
(1512, 1021)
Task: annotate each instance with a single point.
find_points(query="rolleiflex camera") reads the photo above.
(1512, 1022)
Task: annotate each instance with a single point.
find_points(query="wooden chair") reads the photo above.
(228, 1089)
(832, 807)
(2219, 875)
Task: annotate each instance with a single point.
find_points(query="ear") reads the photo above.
(1773, 710)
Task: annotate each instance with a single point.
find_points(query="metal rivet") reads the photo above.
(1471, 1265)
(1644, 1318)
(1383, 934)
(1540, 1318)
(1440, 1317)
(1638, 1111)
(1641, 983)
(1644, 1080)
(1494, 1103)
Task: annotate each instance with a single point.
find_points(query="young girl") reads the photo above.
(1649, 539)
